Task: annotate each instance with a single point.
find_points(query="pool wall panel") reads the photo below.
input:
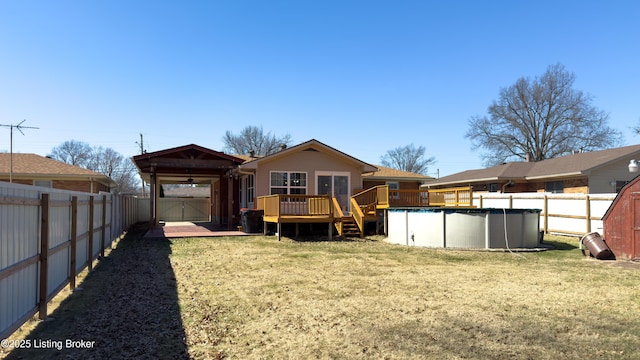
(464, 228)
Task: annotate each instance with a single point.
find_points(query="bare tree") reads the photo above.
(543, 118)
(72, 152)
(408, 158)
(253, 139)
(103, 160)
(114, 165)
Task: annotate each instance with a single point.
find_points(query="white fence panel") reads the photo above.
(570, 214)
(184, 209)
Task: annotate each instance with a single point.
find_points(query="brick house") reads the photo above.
(604, 171)
(32, 169)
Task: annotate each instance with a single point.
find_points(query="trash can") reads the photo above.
(596, 246)
(251, 220)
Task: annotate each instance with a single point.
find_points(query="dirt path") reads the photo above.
(128, 308)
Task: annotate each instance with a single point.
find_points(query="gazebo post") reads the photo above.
(229, 200)
(152, 199)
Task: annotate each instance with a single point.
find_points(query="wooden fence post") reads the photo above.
(44, 257)
(90, 244)
(103, 226)
(74, 243)
(588, 206)
(546, 214)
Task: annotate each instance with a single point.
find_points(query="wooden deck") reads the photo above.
(282, 209)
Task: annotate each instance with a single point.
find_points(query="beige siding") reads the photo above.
(309, 162)
(600, 179)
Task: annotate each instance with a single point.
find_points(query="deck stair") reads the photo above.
(350, 228)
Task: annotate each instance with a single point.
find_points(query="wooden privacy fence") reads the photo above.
(47, 237)
(568, 214)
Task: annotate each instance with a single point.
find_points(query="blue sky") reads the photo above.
(362, 76)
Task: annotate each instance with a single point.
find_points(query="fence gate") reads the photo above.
(184, 209)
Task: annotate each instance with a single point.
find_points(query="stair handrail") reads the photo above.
(337, 210)
(378, 195)
(337, 216)
(357, 214)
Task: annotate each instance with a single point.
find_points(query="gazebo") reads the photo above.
(192, 164)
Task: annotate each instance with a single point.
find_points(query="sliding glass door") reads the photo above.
(336, 185)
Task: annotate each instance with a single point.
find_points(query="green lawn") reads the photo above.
(255, 297)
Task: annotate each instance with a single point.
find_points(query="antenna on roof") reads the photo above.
(19, 127)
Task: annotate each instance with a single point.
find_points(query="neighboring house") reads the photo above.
(310, 168)
(395, 179)
(32, 169)
(604, 171)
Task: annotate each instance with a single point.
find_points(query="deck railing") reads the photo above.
(377, 196)
(454, 197)
(408, 197)
(296, 205)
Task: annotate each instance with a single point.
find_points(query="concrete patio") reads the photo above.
(181, 229)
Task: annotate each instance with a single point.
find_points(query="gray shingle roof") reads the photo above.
(574, 164)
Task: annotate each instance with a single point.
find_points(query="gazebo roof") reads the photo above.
(186, 162)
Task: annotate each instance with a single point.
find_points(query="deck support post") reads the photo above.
(279, 230)
(330, 231)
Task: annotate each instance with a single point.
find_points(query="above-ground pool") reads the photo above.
(466, 228)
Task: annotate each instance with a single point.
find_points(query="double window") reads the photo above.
(288, 183)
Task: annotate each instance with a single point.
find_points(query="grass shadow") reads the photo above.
(127, 308)
(560, 245)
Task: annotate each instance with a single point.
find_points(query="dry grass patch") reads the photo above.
(255, 297)
(371, 299)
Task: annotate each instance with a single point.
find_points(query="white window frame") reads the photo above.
(250, 191)
(288, 185)
(247, 191)
(332, 174)
(391, 185)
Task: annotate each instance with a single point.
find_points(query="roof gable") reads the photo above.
(188, 159)
(311, 145)
(188, 151)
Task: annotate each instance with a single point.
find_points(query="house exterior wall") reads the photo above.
(404, 185)
(575, 185)
(72, 185)
(310, 162)
(84, 186)
(18, 181)
(368, 184)
(600, 179)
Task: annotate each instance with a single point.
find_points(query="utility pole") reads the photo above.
(19, 127)
(141, 143)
